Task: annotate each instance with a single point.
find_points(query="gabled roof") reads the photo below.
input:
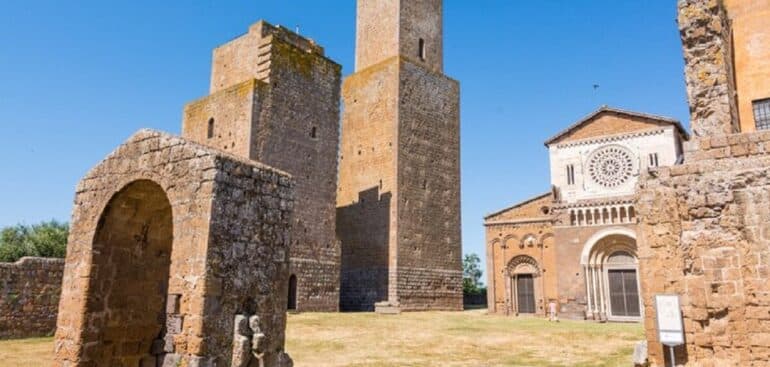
(606, 109)
(525, 202)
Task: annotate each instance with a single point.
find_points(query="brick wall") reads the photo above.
(29, 297)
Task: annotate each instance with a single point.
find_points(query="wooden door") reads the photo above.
(525, 293)
(624, 293)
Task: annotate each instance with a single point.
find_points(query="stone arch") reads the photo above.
(523, 288)
(130, 267)
(523, 264)
(598, 236)
(610, 265)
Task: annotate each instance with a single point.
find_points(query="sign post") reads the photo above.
(670, 328)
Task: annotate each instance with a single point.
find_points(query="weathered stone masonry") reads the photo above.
(705, 225)
(29, 297)
(399, 183)
(275, 99)
(171, 243)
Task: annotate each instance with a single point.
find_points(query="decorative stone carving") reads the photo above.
(611, 166)
(523, 262)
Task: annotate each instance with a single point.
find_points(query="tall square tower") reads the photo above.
(398, 214)
(275, 99)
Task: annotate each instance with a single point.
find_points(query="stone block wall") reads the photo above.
(171, 243)
(709, 73)
(275, 99)
(705, 235)
(29, 297)
(367, 195)
(429, 265)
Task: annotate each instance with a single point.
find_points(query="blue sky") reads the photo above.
(78, 78)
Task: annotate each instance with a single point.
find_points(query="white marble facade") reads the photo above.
(609, 166)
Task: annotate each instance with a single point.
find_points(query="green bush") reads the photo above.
(46, 239)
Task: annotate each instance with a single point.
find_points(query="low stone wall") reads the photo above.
(705, 235)
(29, 297)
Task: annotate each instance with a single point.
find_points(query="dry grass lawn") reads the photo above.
(424, 339)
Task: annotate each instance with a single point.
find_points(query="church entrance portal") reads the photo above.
(611, 276)
(525, 293)
(624, 294)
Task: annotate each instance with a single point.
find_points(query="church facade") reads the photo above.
(576, 244)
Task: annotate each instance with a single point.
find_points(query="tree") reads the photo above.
(472, 274)
(46, 239)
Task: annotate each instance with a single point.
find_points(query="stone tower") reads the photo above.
(398, 214)
(275, 98)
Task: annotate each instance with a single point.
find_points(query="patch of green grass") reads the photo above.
(426, 339)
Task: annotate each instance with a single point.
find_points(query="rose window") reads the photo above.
(611, 166)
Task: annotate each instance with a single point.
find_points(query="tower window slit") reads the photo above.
(421, 52)
(210, 131)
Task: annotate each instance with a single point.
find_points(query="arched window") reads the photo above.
(292, 305)
(210, 132)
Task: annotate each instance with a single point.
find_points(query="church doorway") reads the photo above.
(624, 295)
(611, 269)
(292, 306)
(523, 291)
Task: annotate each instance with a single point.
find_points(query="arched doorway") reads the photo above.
(611, 270)
(523, 288)
(622, 284)
(292, 293)
(130, 274)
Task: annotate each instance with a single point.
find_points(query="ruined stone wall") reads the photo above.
(248, 271)
(366, 200)
(429, 264)
(704, 236)
(704, 224)
(705, 33)
(288, 118)
(29, 297)
(215, 224)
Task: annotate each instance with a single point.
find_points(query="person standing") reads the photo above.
(552, 314)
